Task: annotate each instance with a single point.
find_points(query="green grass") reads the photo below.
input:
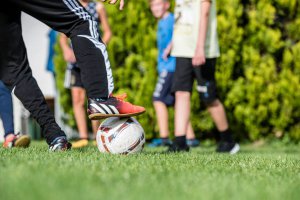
(271, 172)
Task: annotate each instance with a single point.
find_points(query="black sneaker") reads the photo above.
(60, 144)
(228, 147)
(173, 148)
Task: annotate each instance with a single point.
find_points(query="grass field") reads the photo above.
(269, 172)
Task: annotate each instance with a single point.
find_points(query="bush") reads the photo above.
(264, 99)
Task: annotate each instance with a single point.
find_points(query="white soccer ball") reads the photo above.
(120, 136)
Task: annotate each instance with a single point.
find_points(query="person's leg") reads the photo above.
(69, 17)
(78, 100)
(190, 134)
(95, 126)
(206, 87)
(17, 75)
(217, 112)
(182, 87)
(162, 118)
(6, 110)
(6, 114)
(78, 97)
(182, 116)
(162, 98)
(182, 112)
(191, 139)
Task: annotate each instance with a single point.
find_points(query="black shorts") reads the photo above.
(163, 88)
(185, 74)
(73, 77)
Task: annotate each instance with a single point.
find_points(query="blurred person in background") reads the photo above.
(196, 48)
(162, 97)
(6, 114)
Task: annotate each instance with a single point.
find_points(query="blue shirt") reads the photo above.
(52, 40)
(164, 37)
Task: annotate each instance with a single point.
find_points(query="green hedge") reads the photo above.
(264, 99)
(258, 72)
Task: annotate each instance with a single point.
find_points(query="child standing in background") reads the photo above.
(196, 48)
(162, 97)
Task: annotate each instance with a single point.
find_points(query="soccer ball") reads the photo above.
(120, 136)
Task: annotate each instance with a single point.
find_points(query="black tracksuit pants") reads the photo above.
(70, 18)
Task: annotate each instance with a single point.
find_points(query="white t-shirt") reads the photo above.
(186, 29)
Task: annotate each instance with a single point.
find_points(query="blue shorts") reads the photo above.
(163, 88)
